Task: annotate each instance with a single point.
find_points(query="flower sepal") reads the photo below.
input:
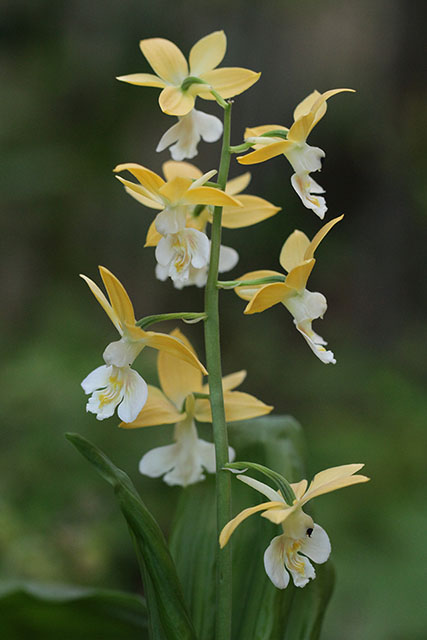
(280, 481)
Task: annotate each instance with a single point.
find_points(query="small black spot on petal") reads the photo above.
(309, 532)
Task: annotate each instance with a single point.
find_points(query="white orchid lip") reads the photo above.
(180, 251)
(184, 136)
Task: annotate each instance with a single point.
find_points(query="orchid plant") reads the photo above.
(185, 202)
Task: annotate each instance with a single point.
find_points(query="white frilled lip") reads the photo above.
(283, 555)
(113, 387)
(184, 136)
(307, 189)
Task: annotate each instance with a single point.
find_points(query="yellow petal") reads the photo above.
(227, 81)
(277, 516)
(237, 185)
(103, 302)
(238, 406)
(157, 410)
(231, 526)
(153, 236)
(148, 179)
(172, 169)
(319, 107)
(233, 380)
(300, 129)
(138, 193)
(246, 293)
(332, 479)
(175, 102)
(119, 298)
(305, 105)
(299, 488)
(268, 296)
(178, 378)
(298, 276)
(254, 210)
(309, 252)
(142, 79)
(293, 250)
(175, 189)
(210, 195)
(165, 59)
(175, 347)
(229, 382)
(265, 153)
(207, 53)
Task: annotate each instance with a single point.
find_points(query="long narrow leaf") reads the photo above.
(163, 590)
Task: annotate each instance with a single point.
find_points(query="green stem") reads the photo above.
(213, 360)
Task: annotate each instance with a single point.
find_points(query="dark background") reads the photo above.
(64, 123)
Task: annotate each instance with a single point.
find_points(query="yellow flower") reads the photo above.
(300, 533)
(115, 384)
(184, 461)
(297, 259)
(172, 70)
(303, 158)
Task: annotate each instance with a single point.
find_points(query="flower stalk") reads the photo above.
(213, 359)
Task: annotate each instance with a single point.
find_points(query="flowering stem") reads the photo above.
(213, 360)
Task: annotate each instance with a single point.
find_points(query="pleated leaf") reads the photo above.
(169, 618)
(260, 611)
(49, 612)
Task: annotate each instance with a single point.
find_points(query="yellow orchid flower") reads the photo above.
(180, 249)
(297, 259)
(174, 75)
(184, 461)
(300, 533)
(303, 158)
(253, 210)
(115, 384)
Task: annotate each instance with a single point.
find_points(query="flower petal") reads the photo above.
(333, 479)
(138, 193)
(238, 406)
(103, 302)
(246, 293)
(172, 169)
(311, 248)
(239, 184)
(176, 102)
(173, 346)
(135, 397)
(298, 276)
(158, 461)
(268, 296)
(210, 195)
(227, 81)
(274, 563)
(233, 380)
(254, 210)
(165, 59)
(97, 379)
(153, 236)
(293, 252)
(228, 258)
(122, 352)
(305, 187)
(119, 298)
(265, 153)
(231, 526)
(207, 53)
(208, 126)
(317, 547)
(177, 378)
(142, 79)
(157, 410)
(305, 105)
(175, 189)
(301, 569)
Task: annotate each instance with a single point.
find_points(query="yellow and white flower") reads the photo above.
(303, 158)
(185, 461)
(252, 210)
(114, 384)
(300, 534)
(297, 259)
(185, 135)
(174, 75)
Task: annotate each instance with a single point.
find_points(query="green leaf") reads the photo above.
(49, 612)
(260, 611)
(169, 618)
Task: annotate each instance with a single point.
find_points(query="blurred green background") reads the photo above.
(64, 123)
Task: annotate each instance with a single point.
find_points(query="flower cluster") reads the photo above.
(186, 201)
